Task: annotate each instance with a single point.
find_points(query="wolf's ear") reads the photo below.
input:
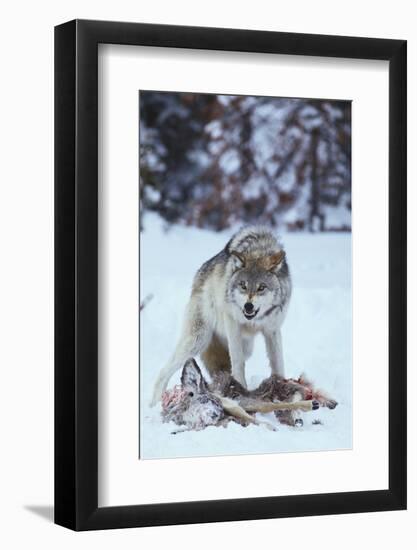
(274, 261)
(191, 377)
(238, 259)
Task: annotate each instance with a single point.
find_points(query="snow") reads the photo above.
(337, 216)
(214, 129)
(230, 161)
(316, 337)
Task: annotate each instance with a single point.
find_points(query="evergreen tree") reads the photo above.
(215, 161)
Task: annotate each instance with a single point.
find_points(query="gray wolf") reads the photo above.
(242, 291)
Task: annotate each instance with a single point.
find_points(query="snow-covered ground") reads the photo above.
(316, 338)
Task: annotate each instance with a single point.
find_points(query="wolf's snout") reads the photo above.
(249, 311)
(248, 308)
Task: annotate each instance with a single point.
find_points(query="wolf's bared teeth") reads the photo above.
(251, 315)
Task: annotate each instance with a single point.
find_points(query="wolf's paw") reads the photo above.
(331, 404)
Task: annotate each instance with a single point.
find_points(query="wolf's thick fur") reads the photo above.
(243, 290)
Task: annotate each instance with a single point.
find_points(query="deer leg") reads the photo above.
(254, 405)
(296, 415)
(234, 409)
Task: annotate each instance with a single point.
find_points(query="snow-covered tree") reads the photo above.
(216, 161)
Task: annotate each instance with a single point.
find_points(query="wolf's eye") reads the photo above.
(242, 285)
(261, 287)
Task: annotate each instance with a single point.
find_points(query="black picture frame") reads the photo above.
(76, 272)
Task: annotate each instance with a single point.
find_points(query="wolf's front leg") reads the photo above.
(236, 350)
(273, 342)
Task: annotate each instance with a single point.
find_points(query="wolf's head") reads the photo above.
(255, 286)
(258, 282)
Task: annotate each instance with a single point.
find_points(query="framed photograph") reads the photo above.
(230, 255)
